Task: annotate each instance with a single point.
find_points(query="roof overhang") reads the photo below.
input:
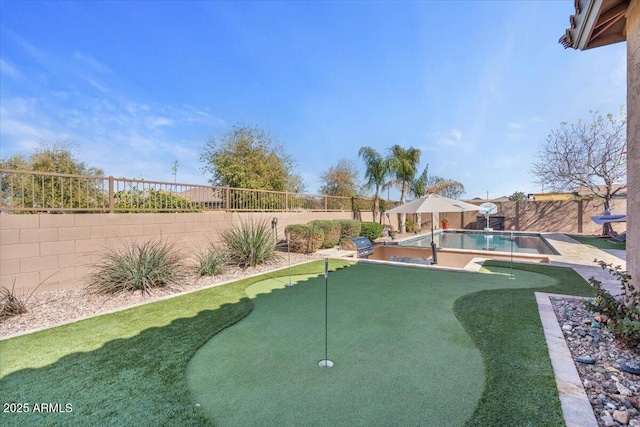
(596, 23)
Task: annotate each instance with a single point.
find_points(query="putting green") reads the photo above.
(401, 357)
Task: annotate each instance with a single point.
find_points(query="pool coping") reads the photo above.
(541, 235)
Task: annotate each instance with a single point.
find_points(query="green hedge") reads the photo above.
(331, 232)
(349, 228)
(300, 238)
(371, 230)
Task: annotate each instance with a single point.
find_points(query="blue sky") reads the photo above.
(134, 86)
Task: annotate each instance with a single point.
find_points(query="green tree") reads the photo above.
(340, 180)
(50, 191)
(376, 171)
(251, 158)
(445, 187)
(426, 184)
(587, 155)
(59, 158)
(516, 196)
(403, 163)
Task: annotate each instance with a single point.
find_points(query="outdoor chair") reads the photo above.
(618, 238)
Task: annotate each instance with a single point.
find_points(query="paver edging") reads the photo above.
(576, 408)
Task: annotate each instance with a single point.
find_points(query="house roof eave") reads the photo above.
(596, 23)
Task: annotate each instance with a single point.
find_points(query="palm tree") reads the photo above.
(403, 163)
(426, 184)
(377, 169)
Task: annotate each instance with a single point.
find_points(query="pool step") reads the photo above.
(410, 260)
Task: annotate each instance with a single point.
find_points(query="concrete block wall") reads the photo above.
(554, 216)
(58, 250)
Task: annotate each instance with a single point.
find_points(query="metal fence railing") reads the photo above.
(33, 192)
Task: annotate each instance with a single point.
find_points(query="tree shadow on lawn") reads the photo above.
(127, 381)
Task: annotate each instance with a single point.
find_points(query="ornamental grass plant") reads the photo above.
(154, 264)
(249, 244)
(211, 261)
(10, 303)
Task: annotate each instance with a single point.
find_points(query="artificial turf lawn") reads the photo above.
(128, 368)
(505, 325)
(599, 242)
(401, 357)
(125, 368)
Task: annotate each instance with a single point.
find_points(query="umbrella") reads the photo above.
(434, 203)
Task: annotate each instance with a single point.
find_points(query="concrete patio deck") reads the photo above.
(581, 258)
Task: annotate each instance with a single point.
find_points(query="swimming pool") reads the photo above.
(528, 243)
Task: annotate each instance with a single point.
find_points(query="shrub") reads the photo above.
(138, 267)
(250, 244)
(623, 314)
(412, 226)
(301, 240)
(211, 261)
(371, 230)
(331, 231)
(349, 228)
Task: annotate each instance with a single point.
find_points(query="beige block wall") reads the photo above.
(57, 250)
(556, 216)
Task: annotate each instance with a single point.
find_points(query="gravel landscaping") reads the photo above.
(614, 394)
(53, 308)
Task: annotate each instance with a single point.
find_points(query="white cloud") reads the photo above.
(450, 138)
(28, 135)
(91, 62)
(9, 70)
(505, 161)
(160, 121)
(97, 85)
(513, 125)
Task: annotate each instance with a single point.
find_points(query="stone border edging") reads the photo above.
(576, 408)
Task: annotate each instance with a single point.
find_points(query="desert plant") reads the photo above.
(138, 267)
(305, 238)
(349, 228)
(249, 244)
(211, 261)
(371, 230)
(10, 304)
(622, 314)
(331, 231)
(13, 305)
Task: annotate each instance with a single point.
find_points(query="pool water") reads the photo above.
(530, 243)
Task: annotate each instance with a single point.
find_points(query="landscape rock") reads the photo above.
(622, 417)
(610, 388)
